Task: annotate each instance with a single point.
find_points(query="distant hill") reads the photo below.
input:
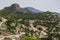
(33, 9)
(16, 7)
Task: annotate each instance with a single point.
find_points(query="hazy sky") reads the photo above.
(44, 5)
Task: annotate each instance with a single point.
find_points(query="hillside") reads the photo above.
(21, 24)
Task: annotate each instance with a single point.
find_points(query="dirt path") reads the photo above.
(12, 36)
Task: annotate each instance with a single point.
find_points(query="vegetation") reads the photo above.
(7, 39)
(47, 19)
(29, 38)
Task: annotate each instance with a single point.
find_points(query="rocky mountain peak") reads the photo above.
(16, 6)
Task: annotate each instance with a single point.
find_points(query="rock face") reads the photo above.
(15, 7)
(12, 8)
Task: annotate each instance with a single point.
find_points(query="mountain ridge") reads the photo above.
(16, 7)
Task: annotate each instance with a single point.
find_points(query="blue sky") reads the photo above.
(44, 5)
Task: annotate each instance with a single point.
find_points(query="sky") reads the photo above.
(43, 5)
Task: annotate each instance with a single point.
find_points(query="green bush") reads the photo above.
(29, 38)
